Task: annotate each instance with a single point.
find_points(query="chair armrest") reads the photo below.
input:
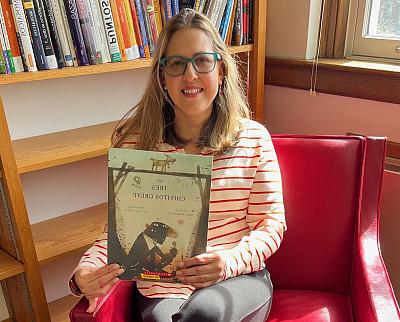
(116, 306)
(372, 294)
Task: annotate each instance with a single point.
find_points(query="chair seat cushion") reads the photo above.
(294, 305)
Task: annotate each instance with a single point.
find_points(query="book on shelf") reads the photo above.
(158, 211)
(110, 31)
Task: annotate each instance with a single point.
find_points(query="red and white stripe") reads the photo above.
(246, 220)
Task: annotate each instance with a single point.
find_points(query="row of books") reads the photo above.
(50, 34)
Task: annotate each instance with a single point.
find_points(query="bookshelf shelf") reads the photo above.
(68, 233)
(49, 150)
(9, 266)
(59, 309)
(91, 70)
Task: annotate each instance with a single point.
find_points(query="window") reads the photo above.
(374, 29)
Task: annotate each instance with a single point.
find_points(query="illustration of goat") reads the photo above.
(162, 164)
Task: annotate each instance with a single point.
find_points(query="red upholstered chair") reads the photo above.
(329, 266)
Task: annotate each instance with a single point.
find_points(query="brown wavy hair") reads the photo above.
(153, 116)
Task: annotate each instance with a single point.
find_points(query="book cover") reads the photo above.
(142, 27)
(158, 211)
(136, 28)
(12, 36)
(76, 32)
(23, 36)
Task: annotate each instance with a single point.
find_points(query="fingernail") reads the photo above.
(120, 271)
(115, 266)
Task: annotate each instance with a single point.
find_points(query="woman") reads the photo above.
(194, 104)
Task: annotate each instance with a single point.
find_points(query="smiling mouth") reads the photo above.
(191, 91)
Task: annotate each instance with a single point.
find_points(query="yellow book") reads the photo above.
(118, 29)
(157, 13)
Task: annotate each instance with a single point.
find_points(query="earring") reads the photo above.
(221, 87)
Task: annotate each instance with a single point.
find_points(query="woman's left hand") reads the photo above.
(201, 270)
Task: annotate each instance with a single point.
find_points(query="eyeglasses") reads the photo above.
(203, 63)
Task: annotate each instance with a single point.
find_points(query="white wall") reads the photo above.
(54, 105)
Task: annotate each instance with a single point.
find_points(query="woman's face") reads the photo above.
(192, 92)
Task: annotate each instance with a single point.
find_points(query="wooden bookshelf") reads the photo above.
(59, 309)
(9, 266)
(69, 233)
(91, 70)
(49, 150)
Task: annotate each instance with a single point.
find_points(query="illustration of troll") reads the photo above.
(146, 255)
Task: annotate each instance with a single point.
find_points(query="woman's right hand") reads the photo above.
(95, 282)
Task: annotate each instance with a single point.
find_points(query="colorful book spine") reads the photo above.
(157, 13)
(76, 32)
(61, 31)
(12, 36)
(22, 30)
(55, 39)
(197, 5)
(118, 28)
(2, 62)
(226, 20)
(45, 34)
(131, 29)
(142, 27)
(245, 22)
(125, 30)
(6, 43)
(136, 28)
(167, 10)
(220, 14)
(38, 48)
(149, 34)
(238, 27)
(111, 33)
(228, 40)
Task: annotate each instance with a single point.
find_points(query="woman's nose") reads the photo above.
(190, 73)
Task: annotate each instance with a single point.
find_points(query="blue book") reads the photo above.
(76, 32)
(226, 19)
(142, 27)
(175, 7)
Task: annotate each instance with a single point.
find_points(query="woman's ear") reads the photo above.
(221, 68)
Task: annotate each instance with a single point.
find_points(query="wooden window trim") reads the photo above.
(351, 78)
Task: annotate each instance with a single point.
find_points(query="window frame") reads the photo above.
(367, 48)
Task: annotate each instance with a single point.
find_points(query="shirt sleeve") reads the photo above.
(265, 216)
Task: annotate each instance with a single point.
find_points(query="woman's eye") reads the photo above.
(176, 63)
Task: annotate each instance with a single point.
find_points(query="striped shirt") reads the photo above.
(246, 218)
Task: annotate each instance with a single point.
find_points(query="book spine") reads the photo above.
(245, 22)
(125, 30)
(2, 62)
(86, 22)
(100, 34)
(38, 47)
(175, 7)
(61, 31)
(226, 19)
(23, 35)
(148, 27)
(111, 33)
(157, 13)
(6, 42)
(4, 52)
(250, 28)
(45, 34)
(118, 29)
(167, 10)
(142, 27)
(12, 36)
(76, 32)
(228, 40)
(55, 38)
(68, 31)
(131, 29)
(238, 24)
(209, 7)
(197, 5)
(220, 14)
(152, 21)
(136, 28)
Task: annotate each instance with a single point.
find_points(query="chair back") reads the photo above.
(322, 179)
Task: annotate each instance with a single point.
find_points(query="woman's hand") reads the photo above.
(95, 282)
(201, 270)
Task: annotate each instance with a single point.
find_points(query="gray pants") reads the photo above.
(244, 298)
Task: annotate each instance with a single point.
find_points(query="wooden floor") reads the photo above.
(59, 309)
